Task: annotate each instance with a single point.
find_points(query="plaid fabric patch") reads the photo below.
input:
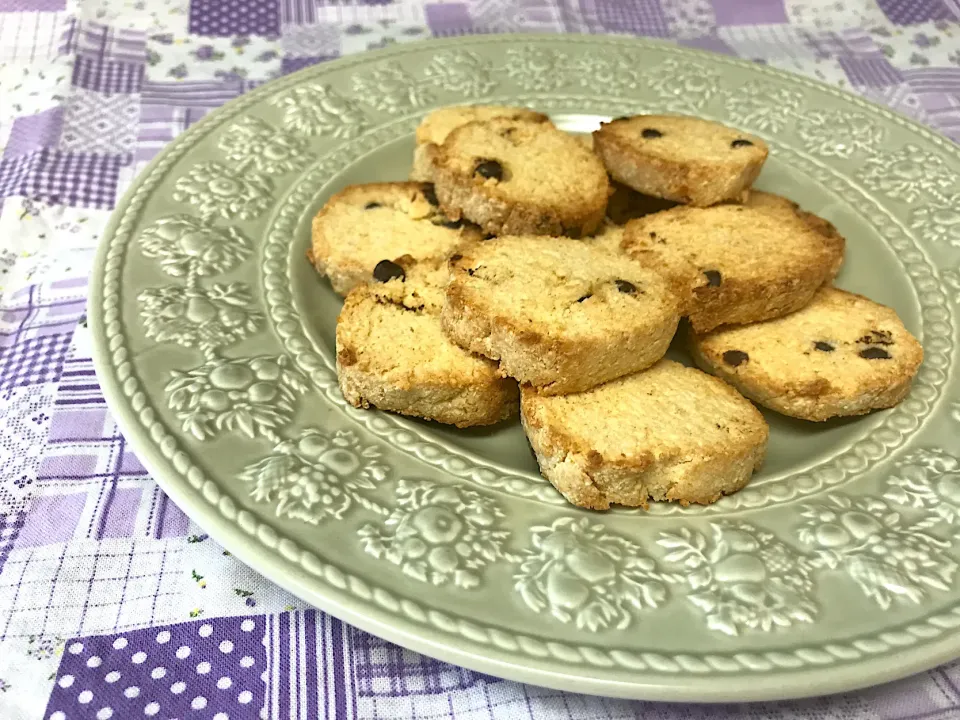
(77, 179)
(873, 71)
(93, 73)
(88, 586)
(383, 669)
(92, 39)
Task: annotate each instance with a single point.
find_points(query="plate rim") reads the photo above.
(374, 618)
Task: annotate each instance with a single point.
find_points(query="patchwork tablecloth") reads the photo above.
(112, 604)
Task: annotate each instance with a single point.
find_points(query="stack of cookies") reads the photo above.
(524, 270)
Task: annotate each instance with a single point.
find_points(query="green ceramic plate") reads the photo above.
(835, 568)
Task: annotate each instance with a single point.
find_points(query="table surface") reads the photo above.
(112, 604)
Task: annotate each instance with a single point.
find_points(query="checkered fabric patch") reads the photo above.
(78, 179)
(640, 17)
(33, 361)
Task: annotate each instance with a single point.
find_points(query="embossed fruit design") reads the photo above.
(887, 558)
(438, 534)
(315, 476)
(581, 574)
(252, 396)
(185, 245)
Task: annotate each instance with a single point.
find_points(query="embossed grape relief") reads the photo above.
(887, 557)
(580, 573)
(439, 534)
(743, 577)
(838, 133)
(228, 192)
(938, 221)
(317, 109)
(683, 86)
(253, 396)
(253, 144)
(317, 476)
(928, 479)
(909, 174)
(543, 70)
(763, 107)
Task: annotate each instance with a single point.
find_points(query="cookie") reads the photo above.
(393, 355)
(770, 201)
(667, 433)
(841, 355)
(680, 158)
(557, 313)
(734, 264)
(520, 178)
(608, 238)
(364, 224)
(435, 127)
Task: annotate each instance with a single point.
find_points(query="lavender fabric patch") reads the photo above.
(32, 5)
(292, 64)
(51, 519)
(221, 18)
(757, 12)
(34, 132)
(448, 18)
(188, 670)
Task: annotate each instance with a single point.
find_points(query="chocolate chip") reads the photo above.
(653, 235)
(877, 337)
(456, 257)
(371, 205)
(713, 278)
(388, 270)
(735, 358)
(651, 133)
(622, 117)
(823, 346)
(430, 193)
(585, 297)
(740, 142)
(488, 236)
(489, 169)
(626, 287)
(452, 224)
(874, 353)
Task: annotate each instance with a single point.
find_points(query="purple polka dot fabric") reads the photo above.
(203, 669)
(223, 18)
